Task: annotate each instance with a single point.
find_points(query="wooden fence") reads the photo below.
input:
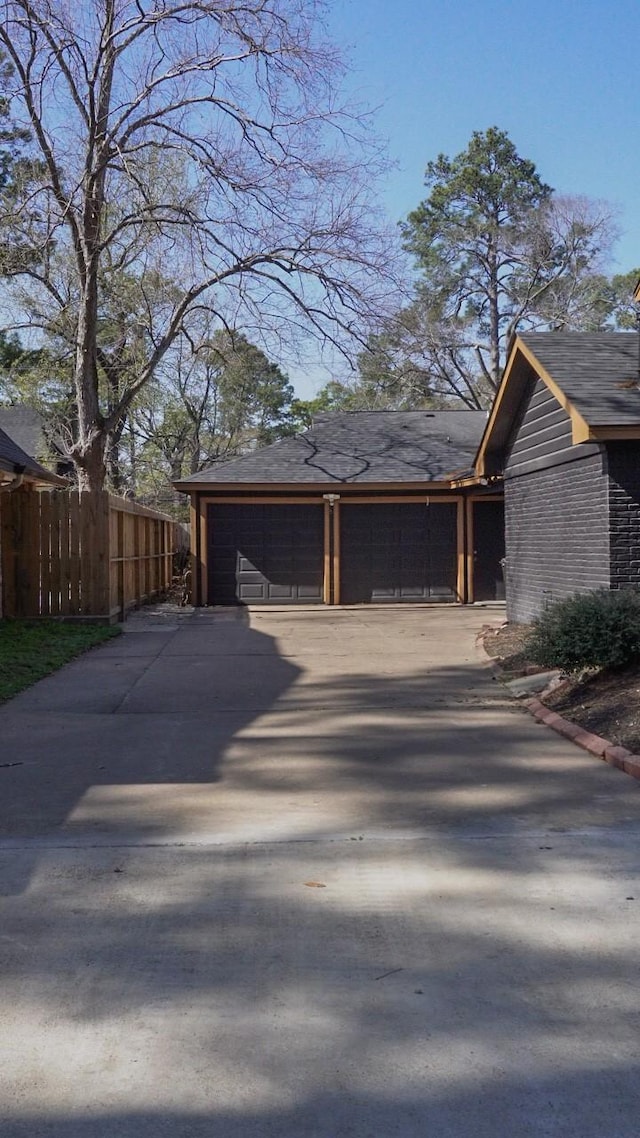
(76, 554)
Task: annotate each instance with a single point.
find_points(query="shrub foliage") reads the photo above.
(600, 629)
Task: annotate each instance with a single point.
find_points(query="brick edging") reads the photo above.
(618, 757)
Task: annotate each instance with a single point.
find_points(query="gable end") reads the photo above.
(542, 435)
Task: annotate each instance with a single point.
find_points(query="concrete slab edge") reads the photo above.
(611, 753)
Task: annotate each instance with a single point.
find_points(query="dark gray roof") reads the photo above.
(361, 446)
(14, 460)
(25, 426)
(597, 371)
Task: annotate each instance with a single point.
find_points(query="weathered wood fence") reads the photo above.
(77, 554)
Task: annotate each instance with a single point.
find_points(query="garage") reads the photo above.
(362, 507)
(399, 552)
(265, 554)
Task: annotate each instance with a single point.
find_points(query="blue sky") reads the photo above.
(560, 76)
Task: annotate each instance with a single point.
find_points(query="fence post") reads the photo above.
(94, 553)
(102, 578)
(120, 563)
(47, 553)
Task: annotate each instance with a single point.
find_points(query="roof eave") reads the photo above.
(31, 475)
(610, 432)
(193, 486)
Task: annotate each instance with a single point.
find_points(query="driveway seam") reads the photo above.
(152, 660)
(17, 845)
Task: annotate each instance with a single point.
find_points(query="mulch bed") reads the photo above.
(607, 703)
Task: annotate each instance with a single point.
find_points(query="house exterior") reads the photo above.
(564, 433)
(26, 427)
(363, 507)
(17, 468)
(19, 473)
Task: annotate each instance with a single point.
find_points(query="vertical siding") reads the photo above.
(557, 535)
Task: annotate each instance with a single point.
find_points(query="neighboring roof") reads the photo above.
(595, 376)
(24, 425)
(14, 460)
(359, 447)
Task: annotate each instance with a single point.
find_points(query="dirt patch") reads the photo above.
(607, 703)
(506, 646)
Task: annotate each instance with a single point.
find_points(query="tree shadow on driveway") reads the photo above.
(113, 725)
(204, 992)
(351, 899)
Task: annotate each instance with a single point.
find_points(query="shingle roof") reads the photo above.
(597, 371)
(360, 446)
(24, 426)
(14, 460)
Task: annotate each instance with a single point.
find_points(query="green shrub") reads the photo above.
(588, 630)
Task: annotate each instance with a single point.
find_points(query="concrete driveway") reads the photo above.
(309, 874)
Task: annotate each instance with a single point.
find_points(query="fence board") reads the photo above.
(47, 539)
(63, 504)
(74, 553)
(29, 566)
(87, 563)
(55, 572)
(8, 553)
(66, 553)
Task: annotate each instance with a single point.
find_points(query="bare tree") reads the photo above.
(213, 398)
(199, 150)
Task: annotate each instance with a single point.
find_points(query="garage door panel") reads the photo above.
(248, 592)
(398, 552)
(280, 592)
(267, 554)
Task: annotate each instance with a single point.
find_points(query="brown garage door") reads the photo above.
(404, 552)
(265, 554)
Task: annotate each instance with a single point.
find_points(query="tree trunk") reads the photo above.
(494, 315)
(114, 470)
(133, 461)
(90, 464)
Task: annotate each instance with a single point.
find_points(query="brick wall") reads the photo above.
(624, 512)
(557, 534)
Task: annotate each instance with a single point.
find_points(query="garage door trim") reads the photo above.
(400, 499)
(266, 500)
(332, 553)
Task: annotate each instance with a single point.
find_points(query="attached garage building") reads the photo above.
(564, 432)
(364, 507)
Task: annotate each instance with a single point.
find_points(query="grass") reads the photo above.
(30, 650)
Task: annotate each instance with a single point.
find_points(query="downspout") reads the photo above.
(15, 483)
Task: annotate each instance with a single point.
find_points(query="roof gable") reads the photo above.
(594, 377)
(24, 425)
(359, 447)
(598, 372)
(14, 460)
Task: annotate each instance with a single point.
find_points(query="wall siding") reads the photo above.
(557, 535)
(542, 435)
(556, 509)
(624, 513)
